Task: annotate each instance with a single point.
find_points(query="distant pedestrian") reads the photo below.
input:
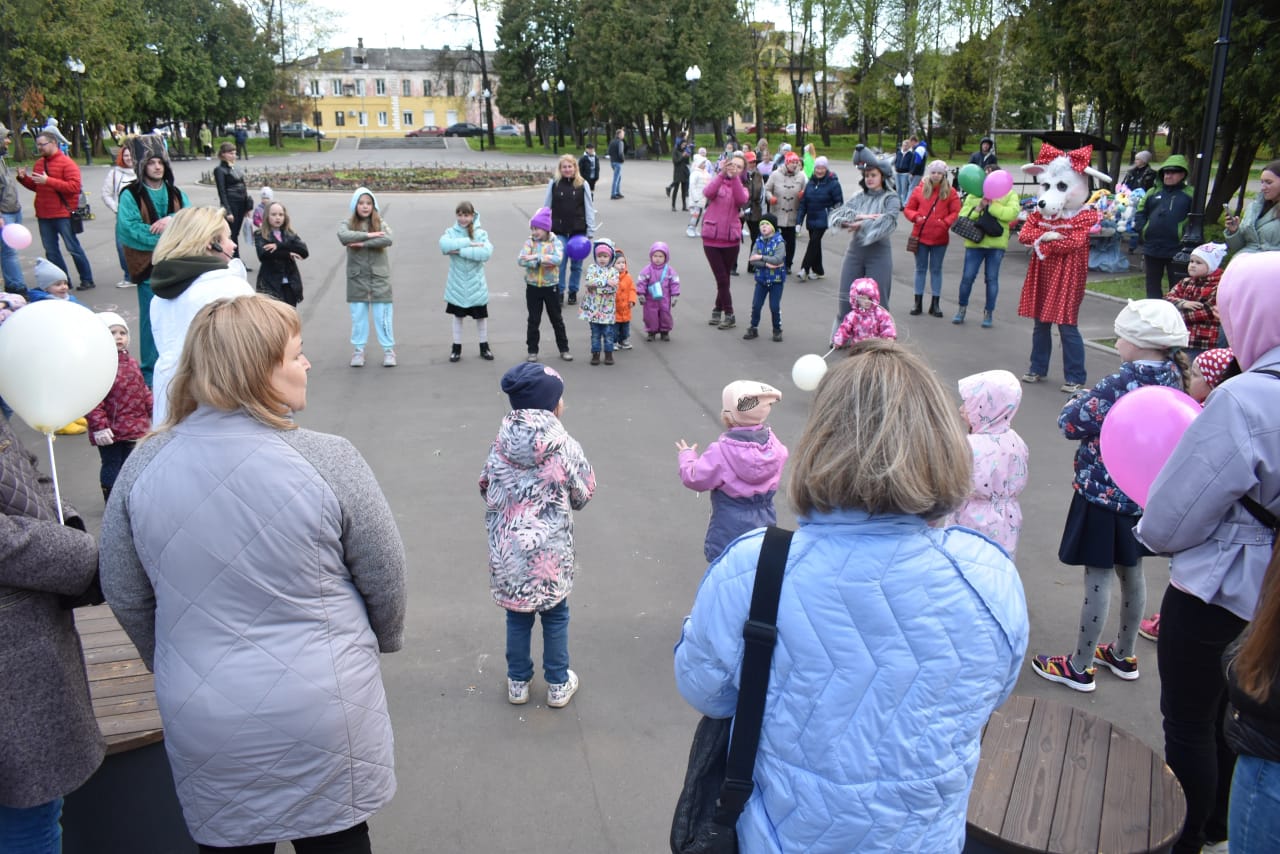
(589, 166)
(366, 237)
(535, 477)
(1141, 176)
(617, 154)
(466, 291)
(233, 194)
(680, 176)
(698, 178)
(902, 163)
(241, 136)
(821, 194)
(206, 140)
(117, 178)
(657, 288)
(986, 153)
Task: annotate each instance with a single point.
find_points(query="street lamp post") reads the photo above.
(76, 67)
(316, 95)
(805, 90)
(474, 97)
(903, 82)
(573, 128)
(692, 74)
(551, 107)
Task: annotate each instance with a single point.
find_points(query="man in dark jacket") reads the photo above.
(617, 154)
(1159, 221)
(589, 166)
(902, 163)
(986, 154)
(1141, 175)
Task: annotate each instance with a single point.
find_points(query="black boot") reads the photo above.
(919, 308)
(456, 353)
(484, 351)
(934, 310)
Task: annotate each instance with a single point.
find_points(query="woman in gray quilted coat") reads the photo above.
(258, 570)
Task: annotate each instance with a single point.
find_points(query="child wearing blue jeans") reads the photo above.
(768, 256)
(534, 479)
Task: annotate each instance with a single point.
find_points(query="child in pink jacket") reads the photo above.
(990, 400)
(867, 318)
(741, 469)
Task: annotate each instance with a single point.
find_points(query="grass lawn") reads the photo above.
(1125, 287)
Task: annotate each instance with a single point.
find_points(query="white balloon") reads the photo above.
(808, 371)
(59, 363)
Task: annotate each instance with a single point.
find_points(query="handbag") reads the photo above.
(80, 214)
(913, 239)
(717, 782)
(968, 228)
(990, 225)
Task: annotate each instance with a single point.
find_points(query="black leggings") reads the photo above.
(535, 300)
(789, 240)
(813, 254)
(353, 840)
(1193, 701)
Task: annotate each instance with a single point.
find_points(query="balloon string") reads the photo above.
(828, 353)
(53, 467)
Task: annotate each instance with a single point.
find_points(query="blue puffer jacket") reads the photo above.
(820, 195)
(1081, 420)
(466, 286)
(873, 719)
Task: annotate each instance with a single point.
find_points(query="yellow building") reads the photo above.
(381, 92)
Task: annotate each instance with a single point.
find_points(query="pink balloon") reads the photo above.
(1139, 434)
(997, 185)
(16, 236)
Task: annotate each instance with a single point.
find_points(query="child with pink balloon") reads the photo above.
(1098, 534)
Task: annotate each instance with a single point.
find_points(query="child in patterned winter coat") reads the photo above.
(741, 469)
(866, 318)
(124, 415)
(600, 306)
(989, 402)
(768, 254)
(657, 288)
(625, 300)
(536, 475)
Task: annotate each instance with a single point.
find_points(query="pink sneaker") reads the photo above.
(1150, 628)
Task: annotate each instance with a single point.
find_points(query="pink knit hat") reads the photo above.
(747, 403)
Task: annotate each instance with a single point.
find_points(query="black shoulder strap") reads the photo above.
(761, 633)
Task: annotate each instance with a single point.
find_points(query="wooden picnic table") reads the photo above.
(129, 804)
(1054, 778)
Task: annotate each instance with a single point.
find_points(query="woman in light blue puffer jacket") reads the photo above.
(896, 640)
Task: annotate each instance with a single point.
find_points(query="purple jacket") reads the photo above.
(741, 470)
(721, 226)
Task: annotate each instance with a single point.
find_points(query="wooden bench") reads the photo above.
(129, 804)
(1053, 778)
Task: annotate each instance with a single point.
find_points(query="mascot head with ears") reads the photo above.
(1063, 177)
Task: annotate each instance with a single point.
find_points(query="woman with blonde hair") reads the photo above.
(277, 584)
(932, 210)
(193, 264)
(573, 213)
(872, 696)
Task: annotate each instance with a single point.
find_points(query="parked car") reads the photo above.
(427, 130)
(463, 129)
(302, 130)
(791, 128)
(506, 130)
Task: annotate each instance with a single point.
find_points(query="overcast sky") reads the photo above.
(407, 23)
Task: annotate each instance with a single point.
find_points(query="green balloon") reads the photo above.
(971, 178)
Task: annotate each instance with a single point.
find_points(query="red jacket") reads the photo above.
(1202, 326)
(933, 229)
(63, 186)
(127, 407)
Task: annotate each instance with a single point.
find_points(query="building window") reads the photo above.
(406, 88)
(313, 88)
(449, 88)
(339, 118)
(362, 119)
(360, 88)
(337, 86)
(380, 86)
(406, 118)
(382, 118)
(426, 88)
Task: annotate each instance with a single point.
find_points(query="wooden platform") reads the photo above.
(123, 690)
(1053, 778)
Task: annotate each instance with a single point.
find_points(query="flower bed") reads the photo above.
(409, 178)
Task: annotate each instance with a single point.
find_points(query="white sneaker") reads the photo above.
(123, 284)
(558, 696)
(389, 359)
(357, 359)
(517, 692)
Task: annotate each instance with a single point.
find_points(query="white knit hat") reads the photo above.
(1151, 323)
(110, 319)
(1211, 254)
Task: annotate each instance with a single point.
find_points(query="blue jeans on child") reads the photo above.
(774, 293)
(32, 830)
(929, 258)
(555, 644)
(1254, 825)
(113, 457)
(602, 333)
(622, 331)
(973, 260)
(1072, 351)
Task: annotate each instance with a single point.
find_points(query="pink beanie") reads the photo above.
(747, 403)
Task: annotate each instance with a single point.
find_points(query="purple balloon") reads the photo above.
(578, 247)
(997, 185)
(1139, 434)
